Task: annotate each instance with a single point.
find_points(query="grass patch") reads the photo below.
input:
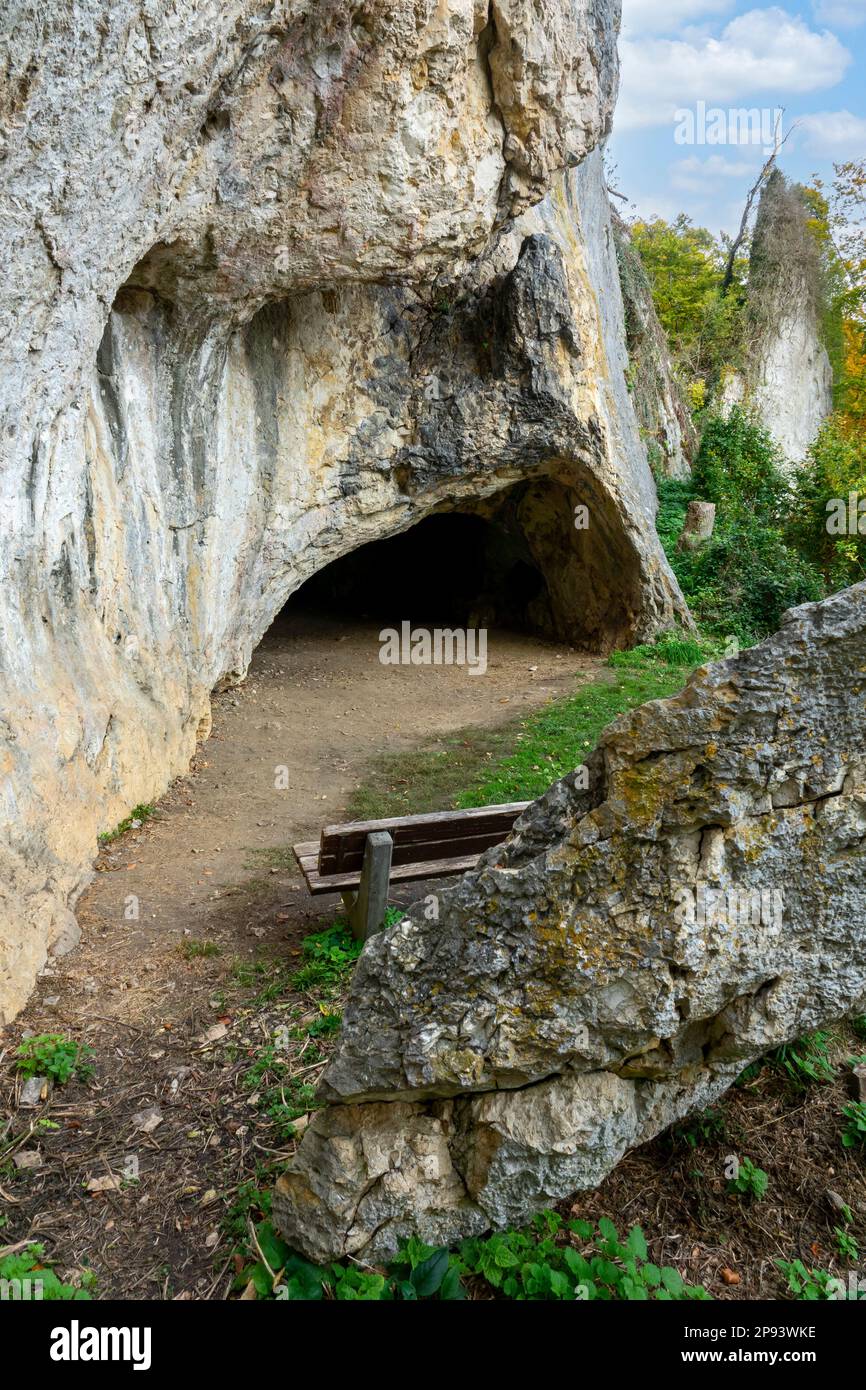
(519, 760)
(195, 950)
(274, 857)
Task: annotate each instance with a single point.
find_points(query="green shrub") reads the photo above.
(328, 957)
(834, 469)
(534, 1266)
(740, 583)
(740, 469)
(553, 1260)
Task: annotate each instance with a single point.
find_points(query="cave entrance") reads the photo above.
(517, 560)
(452, 569)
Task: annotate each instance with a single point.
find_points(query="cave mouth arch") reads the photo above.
(452, 568)
(515, 559)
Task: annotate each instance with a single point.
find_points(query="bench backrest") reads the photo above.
(419, 839)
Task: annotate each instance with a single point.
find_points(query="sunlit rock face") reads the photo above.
(647, 930)
(784, 374)
(282, 280)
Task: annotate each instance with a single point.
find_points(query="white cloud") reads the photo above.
(761, 52)
(694, 175)
(651, 17)
(833, 134)
(842, 14)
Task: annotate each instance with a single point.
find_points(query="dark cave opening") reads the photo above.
(450, 569)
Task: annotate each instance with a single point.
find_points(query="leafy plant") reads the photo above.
(854, 1134)
(137, 816)
(419, 1272)
(283, 1097)
(534, 1266)
(329, 956)
(751, 1181)
(27, 1270)
(707, 1127)
(807, 1285)
(804, 1062)
(846, 1244)
(52, 1055)
(552, 1260)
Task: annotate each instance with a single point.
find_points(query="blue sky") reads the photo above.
(809, 58)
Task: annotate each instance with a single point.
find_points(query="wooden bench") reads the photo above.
(361, 858)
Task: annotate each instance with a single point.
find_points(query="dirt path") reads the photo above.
(155, 987)
(317, 705)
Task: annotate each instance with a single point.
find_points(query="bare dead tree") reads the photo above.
(778, 142)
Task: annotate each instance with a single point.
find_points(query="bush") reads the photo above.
(835, 468)
(741, 582)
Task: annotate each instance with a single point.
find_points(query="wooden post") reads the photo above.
(366, 908)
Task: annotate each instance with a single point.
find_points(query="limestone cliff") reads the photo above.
(275, 288)
(786, 376)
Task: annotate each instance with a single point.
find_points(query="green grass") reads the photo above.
(142, 812)
(193, 950)
(518, 761)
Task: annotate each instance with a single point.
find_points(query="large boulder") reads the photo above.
(275, 288)
(615, 963)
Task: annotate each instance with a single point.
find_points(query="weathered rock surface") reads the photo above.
(615, 963)
(785, 377)
(269, 297)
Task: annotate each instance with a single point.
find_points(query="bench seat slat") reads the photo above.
(403, 873)
(418, 853)
(342, 846)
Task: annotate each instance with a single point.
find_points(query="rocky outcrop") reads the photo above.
(274, 289)
(614, 964)
(663, 414)
(787, 378)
